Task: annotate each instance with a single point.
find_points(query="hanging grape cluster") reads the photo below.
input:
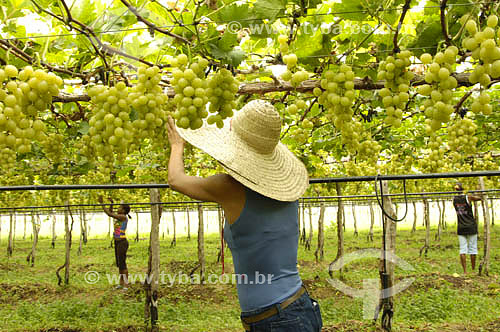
(110, 129)
(461, 139)
(439, 87)
(149, 104)
(221, 92)
(52, 145)
(23, 96)
(122, 117)
(337, 96)
(486, 50)
(394, 70)
(190, 86)
(436, 159)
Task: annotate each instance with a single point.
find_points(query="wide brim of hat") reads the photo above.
(279, 175)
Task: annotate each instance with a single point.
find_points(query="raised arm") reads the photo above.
(109, 211)
(473, 198)
(211, 189)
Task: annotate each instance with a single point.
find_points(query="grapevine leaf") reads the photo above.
(351, 10)
(84, 127)
(233, 13)
(133, 115)
(268, 9)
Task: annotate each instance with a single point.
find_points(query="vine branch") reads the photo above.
(406, 8)
(29, 59)
(444, 25)
(152, 26)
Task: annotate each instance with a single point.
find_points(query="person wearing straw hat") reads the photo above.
(466, 226)
(259, 194)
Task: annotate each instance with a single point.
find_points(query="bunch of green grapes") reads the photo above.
(485, 48)
(337, 96)
(23, 95)
(436, 159)
(52, 146)
(439, 87)
(482, 104)
(149, 103)
(395, 72)
(296, 106)
(283, 40)
(110, 129)
(292, 75)
(221, 92)
(368, 149)
(190, 86)
(302, 133)
(461, 139)
(360, 168)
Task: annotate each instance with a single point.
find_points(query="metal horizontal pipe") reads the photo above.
(315, 180)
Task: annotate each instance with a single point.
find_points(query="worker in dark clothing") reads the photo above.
(466, 226)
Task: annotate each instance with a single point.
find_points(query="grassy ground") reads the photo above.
(438, 299)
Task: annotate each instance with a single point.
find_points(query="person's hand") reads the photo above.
(173, 136)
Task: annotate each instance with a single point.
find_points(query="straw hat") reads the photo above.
(250, 151)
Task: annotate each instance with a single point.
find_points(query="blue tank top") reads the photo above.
(264, 242)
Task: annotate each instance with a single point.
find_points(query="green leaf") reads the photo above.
(268, 9)
(233, 13)
(228, 41)
(430, 34)
(351, 10)
(124, 171)
(233, 57)
(83, 128)
(133, 115)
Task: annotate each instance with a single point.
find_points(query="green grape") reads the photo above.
(461, 139)
(191, 92)
(397, 82)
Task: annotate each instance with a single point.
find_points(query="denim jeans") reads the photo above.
(303, 315)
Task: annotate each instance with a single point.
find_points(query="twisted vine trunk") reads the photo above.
(85, 227)
(427, 223)
(303, 234)
(414, 227)
(372, 222)
(24, 232)
(151, 287)
(82, 232)
(137, 226)
(443, 223)
(353, 209)
(340, 233)
(201, 243)
(173, 243)
(10, 245)
(440, 223)
(492, 212)
(484, 266)
(53, 242)
(387, 278)
(308, 240)
(188, 225)
(36, 229)
(68, 233)
(110, 227)
(319, 253)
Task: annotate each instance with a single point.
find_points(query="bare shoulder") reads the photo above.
(226, 183)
